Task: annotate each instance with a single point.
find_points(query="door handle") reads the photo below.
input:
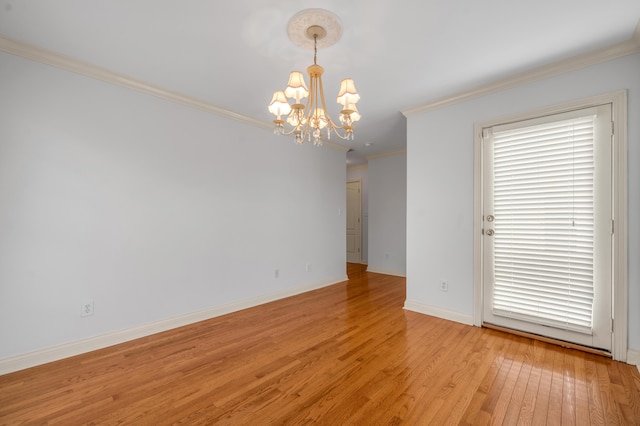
(490, 232)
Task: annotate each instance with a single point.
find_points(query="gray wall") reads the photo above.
(151, 209)
(387, 214)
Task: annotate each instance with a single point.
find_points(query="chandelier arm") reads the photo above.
(324, 106)
(310, 107)
(290, 132)
(332, 125)
(302, 127)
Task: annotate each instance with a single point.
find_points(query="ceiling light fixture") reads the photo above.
(317, 28)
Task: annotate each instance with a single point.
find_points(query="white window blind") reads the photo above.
(544, 223)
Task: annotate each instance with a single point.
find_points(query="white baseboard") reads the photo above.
(386, 272)
(438, 312)
(633, 357)
(55, 353)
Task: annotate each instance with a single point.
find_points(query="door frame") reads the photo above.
(359, 182)
(618, 100)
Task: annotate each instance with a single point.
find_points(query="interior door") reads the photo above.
(547, 226)
(354, 222)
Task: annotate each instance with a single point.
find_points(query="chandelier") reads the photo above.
(310, 121)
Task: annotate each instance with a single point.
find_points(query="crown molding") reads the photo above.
(625, 48)
(67, 63)
(358, 167)
(330, 144)
(387, 154)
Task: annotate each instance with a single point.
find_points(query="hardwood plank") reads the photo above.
(344, 354)
(516, 402)
(448, 376)
(555, 406)
(631, 387)
(596, 407)
(509, 396)
(460, 393)
(607, 396)
(404, 392)
(474, 414)
(568, 411)
(541, 410)
(527, 410)
(582, 394)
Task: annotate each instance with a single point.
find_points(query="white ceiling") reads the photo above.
(400, 53)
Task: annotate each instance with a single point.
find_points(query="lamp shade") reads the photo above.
(348, 94)
(296, 88)
(279, 104)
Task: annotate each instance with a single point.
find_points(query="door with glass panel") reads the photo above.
(547, 226)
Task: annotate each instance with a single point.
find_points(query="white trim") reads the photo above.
(330, 144)
(620, 176)
(387, 154)
(625, 48)
(358, 167)
(633, 358)
(67, 63)
(20, 362)
(620, 266)
(478, 178)
(386, 272)
(438, 312)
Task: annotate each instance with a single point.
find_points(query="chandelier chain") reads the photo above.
(315, 49)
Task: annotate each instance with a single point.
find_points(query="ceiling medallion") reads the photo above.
(299, 24)
(313, 29)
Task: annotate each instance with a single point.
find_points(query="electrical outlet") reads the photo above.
(444, 286)
(276, 273)
(87, 308)
(308, 267)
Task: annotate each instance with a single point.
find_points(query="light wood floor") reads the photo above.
(345, 354)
